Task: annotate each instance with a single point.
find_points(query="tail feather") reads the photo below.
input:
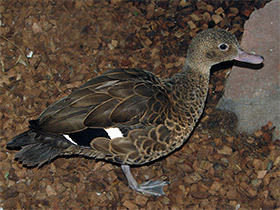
(21, 140)
(37, 147)
(36, 154)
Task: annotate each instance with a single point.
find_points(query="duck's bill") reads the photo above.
(248, 57)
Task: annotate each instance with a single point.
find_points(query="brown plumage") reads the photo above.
(155, 116)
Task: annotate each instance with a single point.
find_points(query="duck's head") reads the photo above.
(213, 46)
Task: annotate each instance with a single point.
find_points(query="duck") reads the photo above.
(130, 117)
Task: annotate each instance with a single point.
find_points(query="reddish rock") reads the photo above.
(253, 94)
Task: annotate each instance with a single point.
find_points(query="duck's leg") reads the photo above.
(149, 187)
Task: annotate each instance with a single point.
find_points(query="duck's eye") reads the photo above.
(223, 46)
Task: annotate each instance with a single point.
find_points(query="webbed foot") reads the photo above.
(149, 187)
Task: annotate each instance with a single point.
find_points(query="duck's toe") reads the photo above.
(152, 187)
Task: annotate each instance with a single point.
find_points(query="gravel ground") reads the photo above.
(48, 48)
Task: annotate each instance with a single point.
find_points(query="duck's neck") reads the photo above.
(194, 71)
(197, 67)
(189, 90)
(193, 76)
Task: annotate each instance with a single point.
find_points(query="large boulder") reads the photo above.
(254, 94)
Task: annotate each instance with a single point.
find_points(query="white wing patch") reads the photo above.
(114, 132)
(69, 139)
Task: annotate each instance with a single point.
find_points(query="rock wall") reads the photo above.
(253, 92)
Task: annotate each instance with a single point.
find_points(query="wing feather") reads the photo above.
(119, 96)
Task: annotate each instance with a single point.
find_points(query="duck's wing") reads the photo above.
(131, 101)
(117, 97)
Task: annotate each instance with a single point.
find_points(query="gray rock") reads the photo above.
(254, 95)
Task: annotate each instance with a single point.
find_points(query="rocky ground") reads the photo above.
(48, 48)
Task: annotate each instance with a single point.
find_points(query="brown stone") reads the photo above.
(217, 18)
(254, 94)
